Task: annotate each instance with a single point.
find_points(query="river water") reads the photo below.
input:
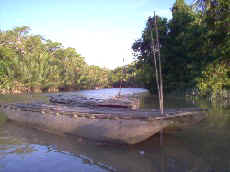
(203, 147)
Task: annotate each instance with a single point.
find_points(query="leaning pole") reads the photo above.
(157, 63)
(158, 70)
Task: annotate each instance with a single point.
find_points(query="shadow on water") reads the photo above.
(203, 147)
(21, 147)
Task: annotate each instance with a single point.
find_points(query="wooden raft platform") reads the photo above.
(114, 125)
(92, 112)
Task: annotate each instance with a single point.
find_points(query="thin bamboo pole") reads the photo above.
(160, 70)
(157, 63)
(119, 93)
(159, 77)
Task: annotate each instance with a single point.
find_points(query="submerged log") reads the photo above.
(116, 125)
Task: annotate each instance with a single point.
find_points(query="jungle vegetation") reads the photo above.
(195, 53)
(30, 63)
(195, 49)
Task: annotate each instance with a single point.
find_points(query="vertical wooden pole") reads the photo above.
(158, 69)
(157, 63)
(119, 94)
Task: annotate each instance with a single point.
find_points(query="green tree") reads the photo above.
(216, 18)
(194, 43)
(31, 63)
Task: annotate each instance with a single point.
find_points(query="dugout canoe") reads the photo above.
(114, 125)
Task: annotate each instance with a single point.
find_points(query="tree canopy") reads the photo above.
(195, 48)
(195, 56)
(31, 63)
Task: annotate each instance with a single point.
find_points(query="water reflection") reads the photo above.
(26, 147)
(148, 101)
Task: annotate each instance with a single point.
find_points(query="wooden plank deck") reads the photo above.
(105, 112)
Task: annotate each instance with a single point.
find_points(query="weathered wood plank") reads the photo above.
(116, 125)
(105, 112)
(131, 102)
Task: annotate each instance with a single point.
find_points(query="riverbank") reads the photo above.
(20, 88)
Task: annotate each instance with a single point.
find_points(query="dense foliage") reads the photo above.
(195, 55)
(195, 48)
(30, 63)
(126, 76)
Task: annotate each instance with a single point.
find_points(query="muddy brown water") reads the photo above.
(203, 147)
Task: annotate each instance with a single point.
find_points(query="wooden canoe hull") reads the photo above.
(107, 130)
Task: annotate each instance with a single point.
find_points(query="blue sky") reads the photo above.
(102, 31)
